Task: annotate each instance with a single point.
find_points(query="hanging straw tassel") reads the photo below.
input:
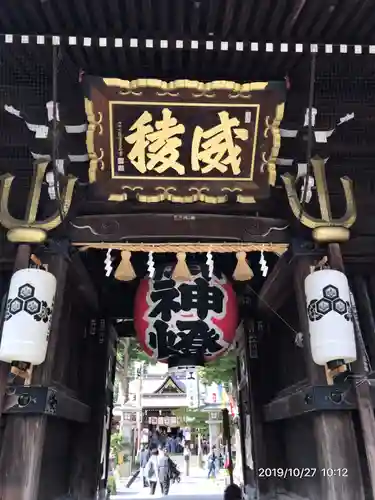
(125, 270)
(181, 272)
(243, 271)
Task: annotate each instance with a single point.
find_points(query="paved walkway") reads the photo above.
(195, 486)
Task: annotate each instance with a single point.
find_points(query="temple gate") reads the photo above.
(207, 166)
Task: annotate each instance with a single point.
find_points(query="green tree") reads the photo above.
(220, 371)
(193, 418)
(128, 351)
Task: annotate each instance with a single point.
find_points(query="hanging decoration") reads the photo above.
(243, 271)
(125, 270)
(181, 271)
(330, 317)
(210, 264)
(108, 263)
(28, 315)
(263, 264)
(185, 322)
(150, 265)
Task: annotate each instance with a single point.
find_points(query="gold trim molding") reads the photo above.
(166, 194)
(154, 83)
(274, 127)
(95, 161)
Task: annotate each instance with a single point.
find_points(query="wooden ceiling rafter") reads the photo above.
(270, 18)
(244, 18)
(276, 19)
(360, 15)
(116, 17)
(260, 18)
(292, 18)
(212, 18)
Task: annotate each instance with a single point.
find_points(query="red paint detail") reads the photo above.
(140, 309)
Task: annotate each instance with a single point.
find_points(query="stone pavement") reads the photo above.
(196, 486)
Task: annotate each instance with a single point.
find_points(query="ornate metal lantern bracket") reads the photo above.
(29, 230)
(326, 229)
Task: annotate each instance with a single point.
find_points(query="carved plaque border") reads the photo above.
(102, 94)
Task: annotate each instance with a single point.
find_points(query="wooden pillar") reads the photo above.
(85, 459)
(21, 262)
(366, 318)
(21, 455)
(364, 400)
(241, 420)
(111, 376)
(334, 431)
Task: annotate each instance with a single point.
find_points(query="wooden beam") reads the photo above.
(50, 401)
(313, 399)
(276, 289)
(359, 246)
(202, 227)
(125, 329)
(83, 283)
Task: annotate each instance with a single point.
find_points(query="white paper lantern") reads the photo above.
(28, 316)
(330, 317)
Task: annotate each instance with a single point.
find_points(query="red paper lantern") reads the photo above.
(178, 319)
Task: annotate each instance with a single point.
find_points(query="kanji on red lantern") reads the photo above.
(181, 318)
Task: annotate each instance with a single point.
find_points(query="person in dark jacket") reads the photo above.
(233, 492)
(144, 455)
(165, 477)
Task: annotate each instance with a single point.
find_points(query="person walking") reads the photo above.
(151, 470)
(144, 456)
(187, 455)
(212, 463)
(157, 471)
(165, 471)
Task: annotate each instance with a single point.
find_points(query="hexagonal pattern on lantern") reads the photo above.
(312, 311)
(15, 306)
(330, 292)
(26, 302)
(32, 306)
(323, 306)
(330, 301)
(26, 291)
(339, 306)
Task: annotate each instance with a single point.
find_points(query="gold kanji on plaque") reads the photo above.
(216, 148)
(155, 148)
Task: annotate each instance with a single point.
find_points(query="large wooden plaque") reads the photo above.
(183, 141)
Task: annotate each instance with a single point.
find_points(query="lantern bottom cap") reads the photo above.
(10, 357)
(188, 362)
(26, 235)
(331, 234)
